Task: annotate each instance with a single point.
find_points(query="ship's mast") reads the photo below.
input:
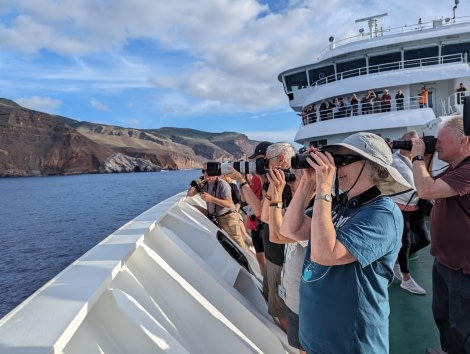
(372, 20)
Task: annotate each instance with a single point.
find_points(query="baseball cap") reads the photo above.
(260, 149)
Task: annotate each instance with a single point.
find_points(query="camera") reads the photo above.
(300, 160)
(244, 167)
(213, 218)
(429, 142)
(249, 212)
(198, 186)
(289, 177)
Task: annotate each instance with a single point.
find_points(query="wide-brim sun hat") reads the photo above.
(374, 148)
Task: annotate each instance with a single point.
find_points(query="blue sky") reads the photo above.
(210, 65)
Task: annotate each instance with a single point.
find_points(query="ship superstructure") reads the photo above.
(427, 62)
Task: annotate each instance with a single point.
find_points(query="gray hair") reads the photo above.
(282, 148)
(376, 172)
(455, 125)
(410, 134)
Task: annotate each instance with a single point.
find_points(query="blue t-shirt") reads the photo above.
(344, 309)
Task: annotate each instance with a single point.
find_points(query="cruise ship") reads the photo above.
(427, 61)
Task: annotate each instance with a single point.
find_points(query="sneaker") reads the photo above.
(397, 272)
(412, 287)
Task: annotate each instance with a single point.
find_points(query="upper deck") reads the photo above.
(409, 54)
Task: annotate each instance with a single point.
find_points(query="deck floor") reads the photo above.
(412, 327)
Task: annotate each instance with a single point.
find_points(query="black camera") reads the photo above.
(244, 167)
(213, 218)
(198, 186)
(300, 160)
(429, 142)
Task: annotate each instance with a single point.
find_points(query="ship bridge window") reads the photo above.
(296, 81)
(351, 68)
(421, 57)
(322, 75)
(384, 62)
(449, 51)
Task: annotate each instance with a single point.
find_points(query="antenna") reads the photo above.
(372, 20)
(456, 4)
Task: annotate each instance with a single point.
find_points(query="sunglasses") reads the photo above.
(344, 160)
(204, 171)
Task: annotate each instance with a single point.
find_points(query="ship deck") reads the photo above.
(412, 327)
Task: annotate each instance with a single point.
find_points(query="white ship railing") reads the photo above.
(398, 65)
(453, 105)
(380, 32)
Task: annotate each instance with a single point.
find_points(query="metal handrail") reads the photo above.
(397, 65)
(395, 30)
(374, 107)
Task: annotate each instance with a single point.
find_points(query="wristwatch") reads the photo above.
(326, 197)
(417, 158)
(277, 205)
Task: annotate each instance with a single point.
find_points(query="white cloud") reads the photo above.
(213, 55)
(98, 105)
(39, 103)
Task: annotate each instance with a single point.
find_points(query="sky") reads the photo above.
(210, 65)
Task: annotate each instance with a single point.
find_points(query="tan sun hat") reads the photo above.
(374, 148)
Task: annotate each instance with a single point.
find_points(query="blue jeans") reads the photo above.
(451, 308)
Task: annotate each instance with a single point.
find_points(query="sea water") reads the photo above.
(46, 223)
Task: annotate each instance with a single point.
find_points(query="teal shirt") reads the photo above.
(344, 309)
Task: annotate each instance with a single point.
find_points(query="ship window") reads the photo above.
(385, 62)
(296, 81)
(351, 68)
(449, 51)
(421, 57)
(321, 76)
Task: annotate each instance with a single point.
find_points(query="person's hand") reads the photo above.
(277, 182)
(418, 147)
(325, 170)
(206, 197)
(310, 173)
(235, 175)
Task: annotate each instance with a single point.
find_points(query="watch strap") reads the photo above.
(417, 158)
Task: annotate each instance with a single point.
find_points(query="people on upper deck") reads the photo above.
(400, 100)
(386, 99)
(423, 98)
(354, 103)
(323, 109)
(330, 109)
(462, 88)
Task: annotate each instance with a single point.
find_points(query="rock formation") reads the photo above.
(38, 144)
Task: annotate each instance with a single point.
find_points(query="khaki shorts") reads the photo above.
(271, 281)
(230, 223)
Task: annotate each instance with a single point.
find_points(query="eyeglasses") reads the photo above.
(344, 160)
(270, 158)
(204, 171)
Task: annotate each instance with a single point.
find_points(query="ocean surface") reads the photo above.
(46, 223)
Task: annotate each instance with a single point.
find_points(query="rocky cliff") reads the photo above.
(170, 148)
(34, 143)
